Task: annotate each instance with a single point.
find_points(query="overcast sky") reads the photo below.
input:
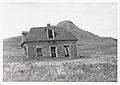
(98, 18)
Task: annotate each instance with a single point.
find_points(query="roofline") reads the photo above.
(46, 41)
(45, 27)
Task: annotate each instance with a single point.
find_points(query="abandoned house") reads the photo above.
(50, 41)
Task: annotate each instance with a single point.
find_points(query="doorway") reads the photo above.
(53, 52)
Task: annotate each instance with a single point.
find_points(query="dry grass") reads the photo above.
(77, 70)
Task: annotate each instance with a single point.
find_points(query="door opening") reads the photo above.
(53, 52)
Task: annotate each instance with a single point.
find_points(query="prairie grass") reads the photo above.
(78, 70)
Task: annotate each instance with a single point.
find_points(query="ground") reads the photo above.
(71, 70)
(87, 68)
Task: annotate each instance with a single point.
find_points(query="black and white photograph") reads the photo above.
(59, 42)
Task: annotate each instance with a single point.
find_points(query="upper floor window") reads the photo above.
(51, 33)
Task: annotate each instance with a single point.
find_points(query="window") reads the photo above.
(26, 51)
(25, 48)
(39, 52)
(66, 48)
(50, 33)
(53, 52)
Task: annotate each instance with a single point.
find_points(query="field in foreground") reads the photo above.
(76, 70)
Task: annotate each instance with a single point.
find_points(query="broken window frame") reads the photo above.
(53, 52)
(39, 52)
(26, 51)
(67, 51)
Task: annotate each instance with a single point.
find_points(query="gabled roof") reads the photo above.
(40, 34)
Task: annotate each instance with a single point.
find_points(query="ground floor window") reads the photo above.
(25, 50)
(66, 48)
(53, 51)
(39, 52)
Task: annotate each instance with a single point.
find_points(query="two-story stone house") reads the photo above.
(50, 41)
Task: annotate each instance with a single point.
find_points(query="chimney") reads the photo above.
(48, 25)
(24, 34)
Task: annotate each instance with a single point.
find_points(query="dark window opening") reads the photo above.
(50, 33)
(25, 50)
(66, 51)
(39, 52)
(53, 52)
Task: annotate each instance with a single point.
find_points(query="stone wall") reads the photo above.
(32, 53)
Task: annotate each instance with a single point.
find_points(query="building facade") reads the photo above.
(49, 42)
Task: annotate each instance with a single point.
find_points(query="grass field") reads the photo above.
(70, 70)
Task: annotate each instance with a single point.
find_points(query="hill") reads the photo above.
(89, 42)
(79, 33)
(12, 50)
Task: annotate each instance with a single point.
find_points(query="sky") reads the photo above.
(98, 18)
